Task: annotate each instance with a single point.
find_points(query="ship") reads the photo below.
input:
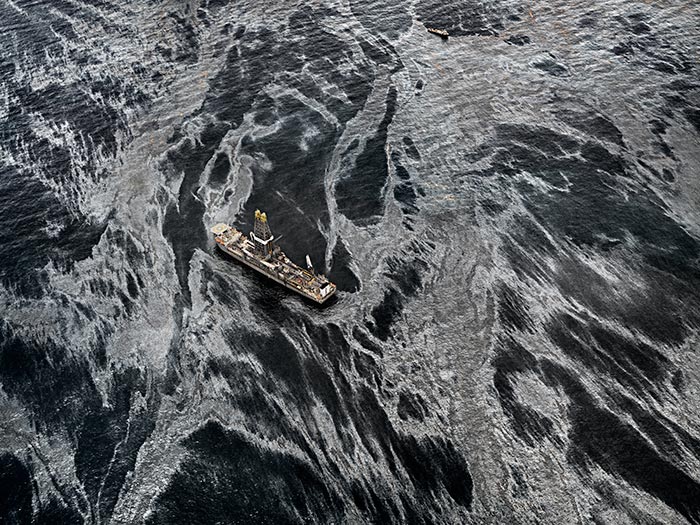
(440, 32)
(262, 254)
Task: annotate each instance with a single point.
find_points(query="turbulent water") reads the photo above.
(512, 218)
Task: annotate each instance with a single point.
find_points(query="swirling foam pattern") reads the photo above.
(512, 218)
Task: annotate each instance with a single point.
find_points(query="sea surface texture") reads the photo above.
(512, 217)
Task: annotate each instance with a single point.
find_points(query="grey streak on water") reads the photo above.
(511, 216)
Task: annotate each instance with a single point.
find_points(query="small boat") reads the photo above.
(439, 32)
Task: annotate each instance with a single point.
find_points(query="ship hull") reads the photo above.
(253, 264)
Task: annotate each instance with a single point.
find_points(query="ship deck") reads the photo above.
(275, 266)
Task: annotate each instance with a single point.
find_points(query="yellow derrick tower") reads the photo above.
(261, 235)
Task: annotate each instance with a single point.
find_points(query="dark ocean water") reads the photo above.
(512, 218)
